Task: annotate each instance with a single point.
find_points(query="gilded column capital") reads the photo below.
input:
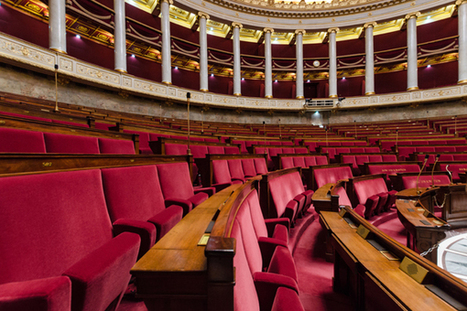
(170, 2)
(333, 29)
(412, 15)
(303, 31)
(460, 2)
(370, 24)
(267, 29)
(203, 15)
(237, 25)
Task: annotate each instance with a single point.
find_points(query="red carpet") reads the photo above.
(314, 273)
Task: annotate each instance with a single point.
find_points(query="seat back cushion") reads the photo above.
(62, 143)
(49, 222)
(310, 161)
(249, 167)
(133, 192)
(176, 149)
(221, 172)
(199, 151)
(287, 162)
(236, 169)
(425, 181)
(369, 187)
(216, 150)
(175, 180)
(299, 161)
(14, 140)
(260, 165)
(116, 146)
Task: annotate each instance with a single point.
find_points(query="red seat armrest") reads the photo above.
(208, 190)
(272, 222)
(101, 277)
(146, 231)
(267, 247)
(50, 294)
(185, 204)
(266, 285)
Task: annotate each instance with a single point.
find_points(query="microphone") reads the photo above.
(450, 174)
(421, 170)
(433, 170)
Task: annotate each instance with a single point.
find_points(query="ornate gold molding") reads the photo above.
(413, 88)
(204, 15)
(333, 29)
(237, 25)
(412, 15)
(268, 29)
(300, 31)
(460, 2)
(370, 24)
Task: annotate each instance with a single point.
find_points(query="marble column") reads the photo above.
(166, 42)
(203, 52)
(120, 36)
(299, 59)
(267, 62)
(237, 72)
(462, 41)
(412, 66)
(369, 59)
(57, 25)
(332, 62)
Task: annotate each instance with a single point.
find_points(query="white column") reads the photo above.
(57, 25)
(120, 36)
(462, 41)
(166, 42)
(369, 59)
(237, 73)
(412, 67)
(299, 59)
(332, 62)
(203, 52)
(267, 62)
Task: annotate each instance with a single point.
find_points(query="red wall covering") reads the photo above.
(437, 30)
(391, 82)
(90, 51)
(315, 50)
(24, 26)
(349, 47)
(144, 68)
(219, 43)
(438, 75)
(350, 86)
(283, 51)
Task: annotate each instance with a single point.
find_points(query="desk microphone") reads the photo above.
(450, 174)
(433, 170)
(421, 170)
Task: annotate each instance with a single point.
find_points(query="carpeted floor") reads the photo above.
(314, 273)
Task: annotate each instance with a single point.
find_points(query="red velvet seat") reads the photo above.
(136, 204)
(216, 150)
(56, 229)
(177, 187)
(331, 175)
(299, 162)
(249, 167)
(260, 166)
(143, 141)
(19, 141)
(62, 143)
(287, 162)
(425, 181)
(231, 150)
(176, 149)
(310, 161)
(116, 146)
(236, 170)
(374, 195)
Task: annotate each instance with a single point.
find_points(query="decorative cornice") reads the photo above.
(23, 54)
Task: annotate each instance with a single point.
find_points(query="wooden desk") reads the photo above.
(174, 273)
(376, 282)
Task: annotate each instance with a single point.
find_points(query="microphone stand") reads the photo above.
(449, 172)
(418, 177)
(433, 170)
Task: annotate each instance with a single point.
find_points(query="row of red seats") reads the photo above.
(21, 141)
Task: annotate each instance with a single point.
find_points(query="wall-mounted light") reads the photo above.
(243, 79)
(78, 36)
(429, 66)
(176, 68)
(133, 55)
(212, 75)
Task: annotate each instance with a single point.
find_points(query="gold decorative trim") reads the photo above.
(237, 25)
(204, 15)
(370, 24)
(268, 29)
(58, 50)
(460, 2)
(204, 90)
(370, 93)
(332, 96)
(300, 97)
(413, 88)
(268, 96)
(121, 70)
(167, 82)
(237, 94)
(412, 15)
(300, 31)
(462, 81)
(333, 29)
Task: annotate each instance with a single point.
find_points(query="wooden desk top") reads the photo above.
(178, 250)
(412, 294)
(415, 215)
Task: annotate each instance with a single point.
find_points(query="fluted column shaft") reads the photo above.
(267, 62)
(120, 36)
(57, 26)
(462, 41)
(203, 52)
(412, 67)
(299, 60)
(166, 43)
(237, 73)
(369, 59)
(332, 62)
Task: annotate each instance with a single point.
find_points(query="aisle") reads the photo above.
(314, 273)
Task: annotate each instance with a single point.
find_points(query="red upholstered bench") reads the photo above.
(136, 204)
(453, 167)
(391, 168)
(249, 167)
(260, 166)
(222, 177)
(143, 141)
(425, 181)
(58, 248)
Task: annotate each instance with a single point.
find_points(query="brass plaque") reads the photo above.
(362, 231)
(414, 270)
